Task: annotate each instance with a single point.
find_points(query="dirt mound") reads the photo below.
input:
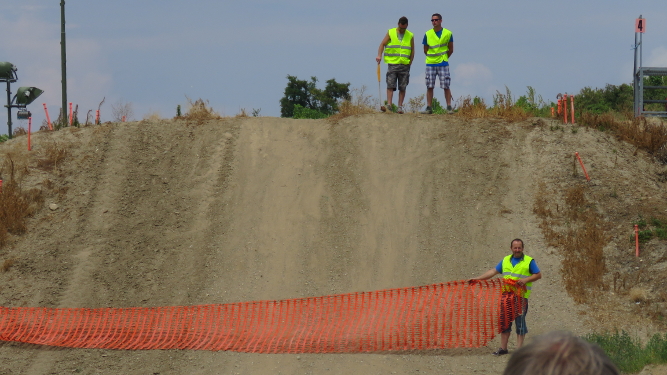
(239, 209)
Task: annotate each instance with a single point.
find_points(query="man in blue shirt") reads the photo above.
(438, 47)
(514, 267)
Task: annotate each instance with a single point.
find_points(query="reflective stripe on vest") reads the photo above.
(520, 271)
(398, 51)
(437, 47)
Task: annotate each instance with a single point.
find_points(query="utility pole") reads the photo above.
(63, 61)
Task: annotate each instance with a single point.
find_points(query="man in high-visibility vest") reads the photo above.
(523, 270)
(399, 51)
(438, 47)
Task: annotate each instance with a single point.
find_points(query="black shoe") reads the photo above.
(500, 351)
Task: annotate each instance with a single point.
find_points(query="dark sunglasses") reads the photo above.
(435, 20)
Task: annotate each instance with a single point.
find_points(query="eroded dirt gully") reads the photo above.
(239, 209)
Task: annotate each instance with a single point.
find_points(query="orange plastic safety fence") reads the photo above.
(448, 315)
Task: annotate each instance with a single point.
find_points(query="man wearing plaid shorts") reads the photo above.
(438, 46)
(399, 51)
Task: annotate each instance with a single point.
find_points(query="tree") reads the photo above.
(307, 95)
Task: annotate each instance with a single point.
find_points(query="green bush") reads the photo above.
(611, 98)
(307, 95)
(436, 107)
(307, 113)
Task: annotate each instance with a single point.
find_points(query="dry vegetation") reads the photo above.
(645, 135)
(503, 108)
(359, 103)
(472, 108)
(16, 205)
(578, 231)
(51, 154)
(199, 112)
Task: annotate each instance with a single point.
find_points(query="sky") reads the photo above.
(155, 54)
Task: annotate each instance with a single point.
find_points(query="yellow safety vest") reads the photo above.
(398, 52)
(437, 47)
(520, 271)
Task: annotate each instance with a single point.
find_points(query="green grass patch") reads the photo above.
(654, 227)
(628, 353)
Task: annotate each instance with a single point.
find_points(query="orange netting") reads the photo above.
(448, 315)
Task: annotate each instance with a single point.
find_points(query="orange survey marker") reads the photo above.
(438, 316)
(48, 119)
(576, 154)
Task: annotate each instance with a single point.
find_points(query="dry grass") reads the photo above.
(638, 295)
(578, 232)
(7, 264)
(645, 135)
(19, 132)
(359, 103)
(51, 155)
(504, 108)
(15, 207)
(416, 104)
(242, 113)
(472, 108)
(152, 117)
(199, 112)
(15, 204)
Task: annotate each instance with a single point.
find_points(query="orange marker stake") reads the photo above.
(48, 119)
(29, 131)
(582, 166)
(565, 108)
(97, 117)
(552, 112)
(70, 114)
(572, 103)
(636, 240)
(559, 105)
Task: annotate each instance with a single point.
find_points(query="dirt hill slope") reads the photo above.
(240, 209)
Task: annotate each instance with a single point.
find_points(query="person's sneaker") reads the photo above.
(500, 351)
(400, 110)
(449, 109)
(428, 111)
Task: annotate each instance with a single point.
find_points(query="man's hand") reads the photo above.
(378, 59)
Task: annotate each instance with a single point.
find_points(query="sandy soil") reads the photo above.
(239, 209)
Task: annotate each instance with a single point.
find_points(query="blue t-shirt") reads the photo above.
(532, 267)
(439, 34)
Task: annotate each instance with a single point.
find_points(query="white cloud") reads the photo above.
(472, 74)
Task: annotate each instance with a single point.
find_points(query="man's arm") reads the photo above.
(425, 49)
(529, 279)
(450, 49)
(487, 275)
(412, 50)
(384, 42)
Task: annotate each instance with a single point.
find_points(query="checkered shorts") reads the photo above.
(442, 71)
